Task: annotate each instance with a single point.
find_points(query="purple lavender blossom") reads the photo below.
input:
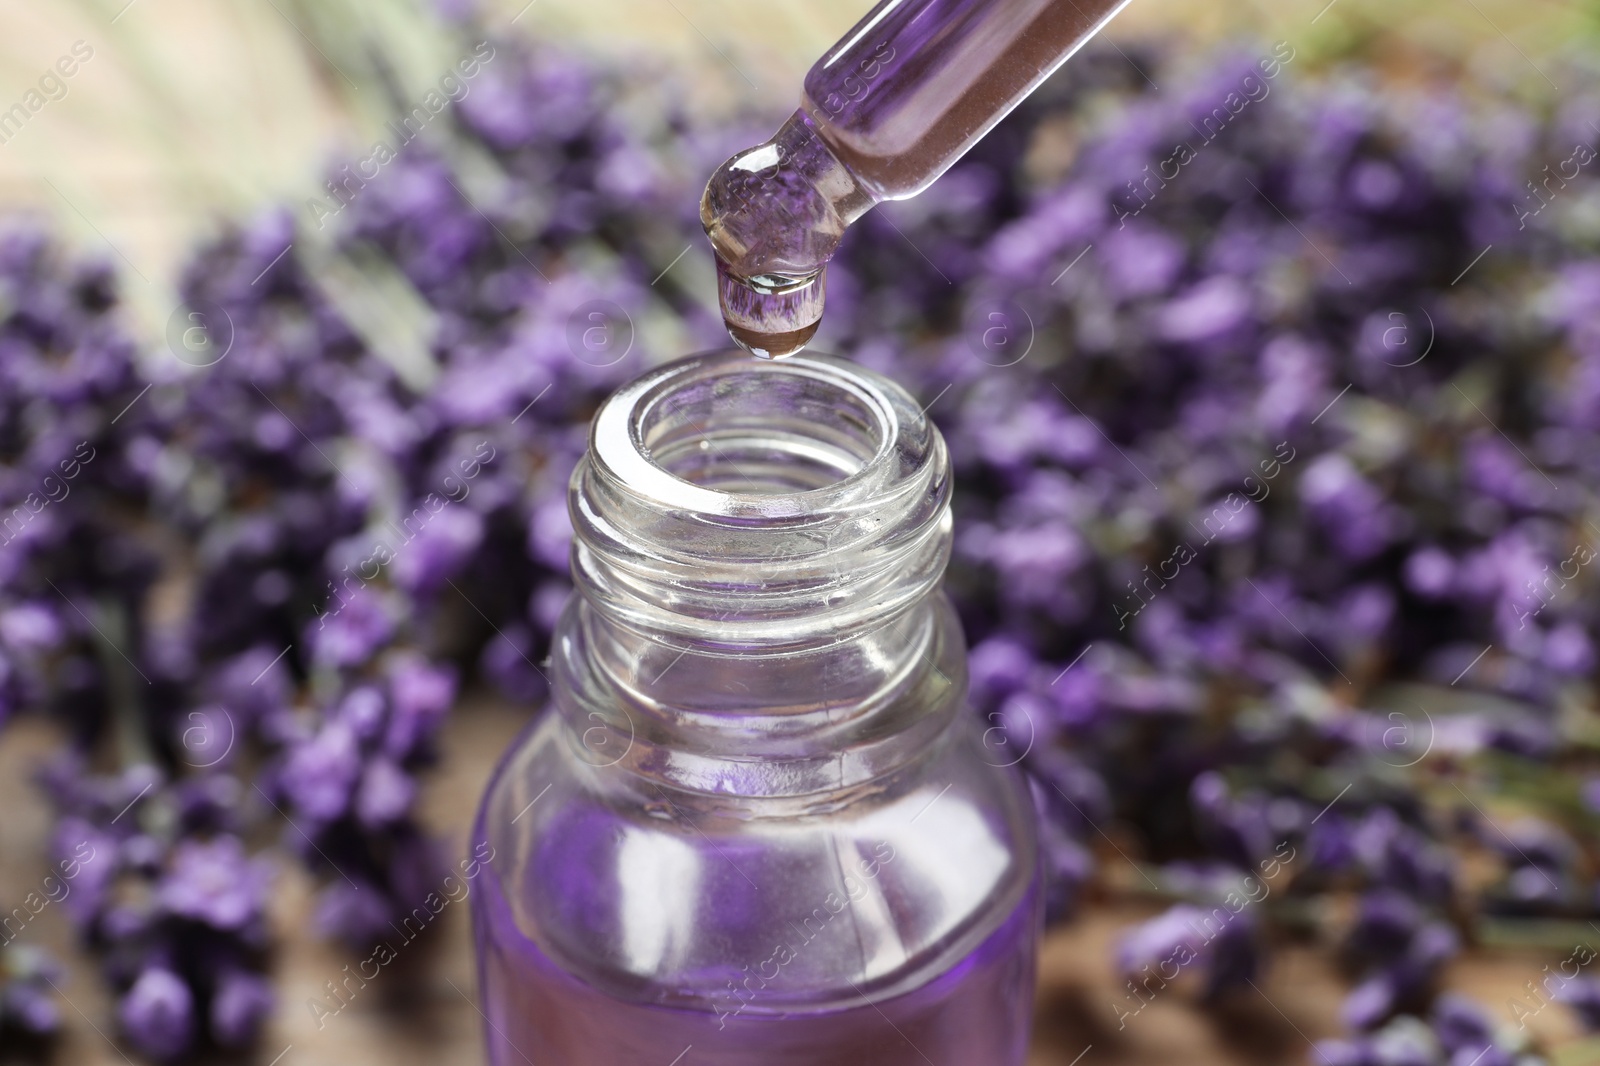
(439, 550)
(508, 662)
(215, 883)
(364, 711)
(27, 998)
(30, 1008)
(385, 794)
(240, 1004)
(320, 773)
(1582, 996)
(1220, 941)
(352, 629)
(157, 1014)
(1389, 534)
(420, 694)
(93, 856)
(356, 914)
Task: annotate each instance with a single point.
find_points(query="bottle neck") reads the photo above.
(758, 550)
(801, 724)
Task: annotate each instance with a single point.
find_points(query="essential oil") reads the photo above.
(887, 110)
(757, 824)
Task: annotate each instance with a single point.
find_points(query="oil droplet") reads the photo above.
(771, 316)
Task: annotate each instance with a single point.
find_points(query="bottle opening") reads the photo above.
(785, 501)
(740, 441)
(762, 430)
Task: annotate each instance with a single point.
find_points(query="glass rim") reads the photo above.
(618, 436)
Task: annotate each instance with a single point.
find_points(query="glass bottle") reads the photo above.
(756, 827)
(886, 111)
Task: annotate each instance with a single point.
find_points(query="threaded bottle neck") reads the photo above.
(757, 548)
(783, 502)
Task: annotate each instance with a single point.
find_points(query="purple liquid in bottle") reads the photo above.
(757, 826)
(903, 96)
(975, 1012)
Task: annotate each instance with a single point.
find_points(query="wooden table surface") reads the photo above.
(422, 1012)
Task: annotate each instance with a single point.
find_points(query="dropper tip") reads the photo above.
(771, 345)
(771, 316)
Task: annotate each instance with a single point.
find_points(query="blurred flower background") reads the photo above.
(1267, 343)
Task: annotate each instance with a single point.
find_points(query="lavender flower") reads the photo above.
(1582, 996)
(1192, 567)
(215, 883)
(350, 635)
(385, 794)
(320, 773)
(240, 1004)
(27, 1000)
(420, 695)
(1219, 941)
(157, 1014)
